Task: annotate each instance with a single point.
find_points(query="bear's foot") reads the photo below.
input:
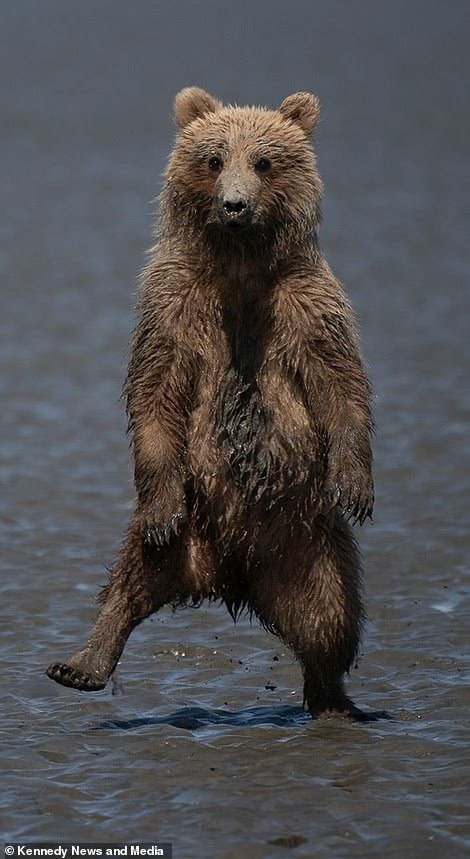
(343, 706)
(87, 670)
(67, 675)
(355, 714)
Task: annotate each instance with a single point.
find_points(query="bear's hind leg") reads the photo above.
(311, 598)
(145, 578)
(336, 619)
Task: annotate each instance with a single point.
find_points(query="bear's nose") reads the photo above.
(235, 207)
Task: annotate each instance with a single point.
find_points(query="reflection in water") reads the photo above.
(192, 718)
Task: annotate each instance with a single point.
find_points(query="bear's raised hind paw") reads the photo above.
(72, 677)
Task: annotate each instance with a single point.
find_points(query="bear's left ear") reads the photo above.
(303, 109)
(192, 103)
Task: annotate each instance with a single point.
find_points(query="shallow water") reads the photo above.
(201, 739)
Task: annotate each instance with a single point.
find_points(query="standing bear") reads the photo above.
(248, 405)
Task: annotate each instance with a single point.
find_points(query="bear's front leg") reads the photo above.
(349, 482)
(162, 510)
(157, 424)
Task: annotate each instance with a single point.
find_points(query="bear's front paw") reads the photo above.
(158, 528)
(357, 501)
(353, 492)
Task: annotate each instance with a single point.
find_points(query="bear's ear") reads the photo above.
(303, 109)
(192, 103)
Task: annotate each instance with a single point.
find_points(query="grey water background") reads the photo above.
(201, 739)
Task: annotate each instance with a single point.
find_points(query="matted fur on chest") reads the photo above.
(254, 433)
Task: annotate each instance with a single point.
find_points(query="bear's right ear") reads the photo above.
(192, 103)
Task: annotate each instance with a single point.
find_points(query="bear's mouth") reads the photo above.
(235, 226)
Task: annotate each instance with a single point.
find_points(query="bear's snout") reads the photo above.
(235, 210)
(235, 201)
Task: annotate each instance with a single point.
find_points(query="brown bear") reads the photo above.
(248, 405)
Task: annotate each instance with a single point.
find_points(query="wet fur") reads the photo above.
(249, 408)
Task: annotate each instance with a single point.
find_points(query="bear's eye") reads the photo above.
(215, 164)
(263, 165)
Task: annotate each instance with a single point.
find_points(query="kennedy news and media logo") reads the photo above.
(56, 850)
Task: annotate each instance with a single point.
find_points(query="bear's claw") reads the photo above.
(72, 677)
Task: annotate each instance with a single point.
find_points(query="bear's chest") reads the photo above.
(239, 415)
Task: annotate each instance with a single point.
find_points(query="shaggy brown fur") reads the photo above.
(249, 408)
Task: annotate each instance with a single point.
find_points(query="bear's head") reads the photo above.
(243, 172)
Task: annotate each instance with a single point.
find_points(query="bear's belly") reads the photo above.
(254, 438)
